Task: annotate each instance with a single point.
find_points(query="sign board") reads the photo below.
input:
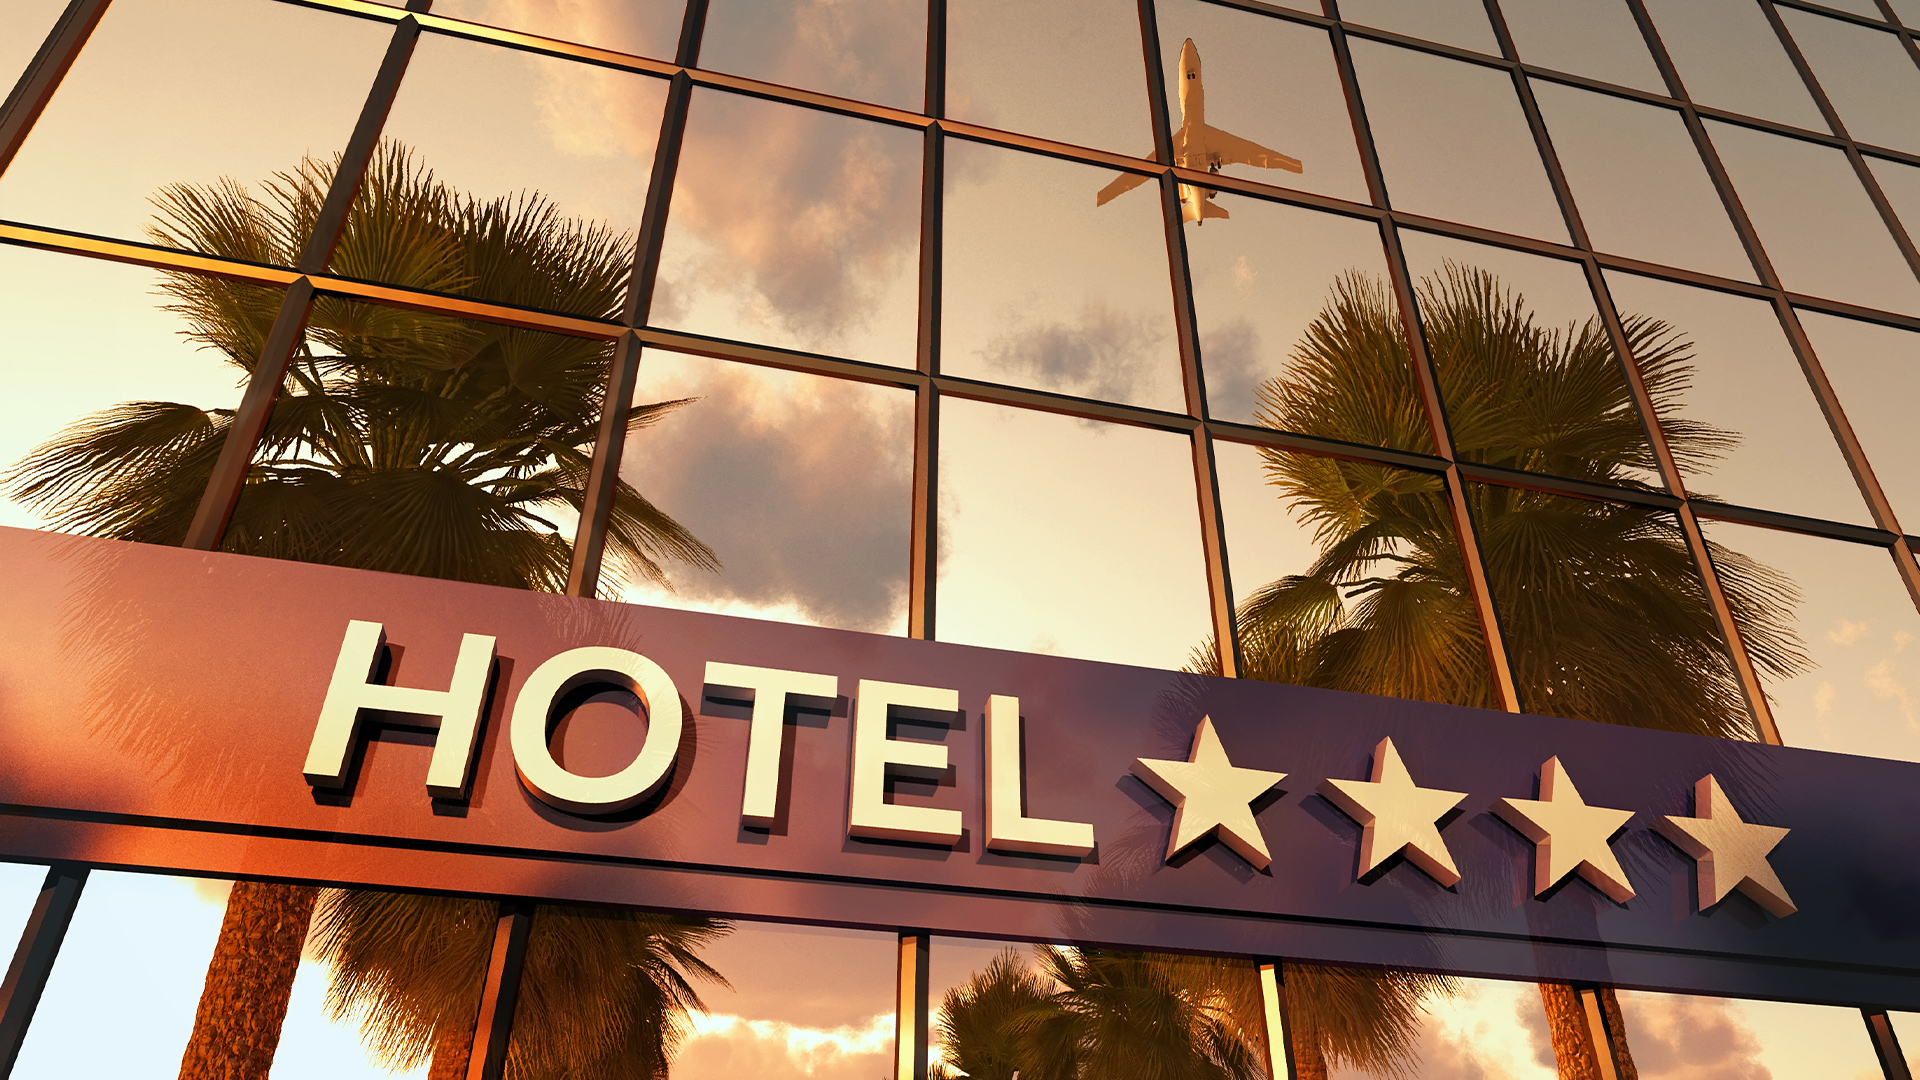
(206, 713)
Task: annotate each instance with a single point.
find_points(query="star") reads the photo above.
(1397, 816)
(1568, 835)
(1208, 794)
(1730, 853)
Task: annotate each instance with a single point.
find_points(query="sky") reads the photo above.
(800, 229)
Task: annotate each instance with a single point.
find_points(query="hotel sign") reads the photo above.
(207, 713)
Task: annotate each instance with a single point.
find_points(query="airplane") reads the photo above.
(1197, 145)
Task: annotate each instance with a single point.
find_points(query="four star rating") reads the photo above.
(1213, 797)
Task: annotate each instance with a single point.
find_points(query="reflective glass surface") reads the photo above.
(641, 27)
(803, 1001)
(798, 485)
(174, 104)
(1321, 604)
(1463, 1028)
(137, 952)
(795, 228)
(873, 51)
(1906, 1028)
(19, 888)
(1291, 301)
(1867, 75)
(1639, 183)
(1267, 81)
(1525, 368)
(507, 160)
(423, 444)
(1450, 22)
(1604, 615)
(114, 431)
(1676, 1037)
(1730, 58)
(1908, 11)
(1740, 416)
(1900, 183)
(1831, 631)
(1062, 559)
(1453, 142)
(1045, 288)
(1595, 38)
(1875, 372)
(1815, 220)
(24, 25)
(1068, 70)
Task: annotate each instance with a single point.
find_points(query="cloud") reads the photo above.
(1106, 354)
(800, 484)
(1823, 698)
(1880, 679)
(725, 1045)
(1674, 1037)
(1846, 632)
(1230, 355)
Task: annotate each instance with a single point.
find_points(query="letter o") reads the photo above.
(533, 757)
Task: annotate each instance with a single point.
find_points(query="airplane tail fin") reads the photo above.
(1208, 209)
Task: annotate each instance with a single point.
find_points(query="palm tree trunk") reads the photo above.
(237, 1027)
(1567, 1024)
(451, 1047)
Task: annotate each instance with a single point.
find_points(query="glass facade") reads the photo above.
(1556, 357)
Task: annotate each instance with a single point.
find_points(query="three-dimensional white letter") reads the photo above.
(766, 732)
(869, 814)
(533, 757)
(1008, 827)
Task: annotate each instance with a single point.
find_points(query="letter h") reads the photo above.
(455, 711)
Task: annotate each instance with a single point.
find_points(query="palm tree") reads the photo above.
(410, 443)
(1105, 1013)
(1600, 603)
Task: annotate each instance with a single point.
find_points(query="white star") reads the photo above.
(1209, 793)
(1568, 835)
(1397, 816)
(1730, 853)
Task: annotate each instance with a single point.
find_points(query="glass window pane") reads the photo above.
(1868, 77)
(1528, 375)
(1450, 22)
(1394, 617)
(639, 27)
(1595, 38)
(1830, 626)
(1604, 615)
(874, 50)
(1900, 183)
(794, 228)
(1906, 1029)
(173, 93)
(1637, 178)
(1297, 301)
(1729, 58)
(1068, 70)
(1032, 559)
(1045, 288)
(511, 160)
(1740, 417)
(1875, 372)
(113, 431)
(805, 1002)
(1267, 80)
(800, 485)
(1453, 142)
(1908, 10)
(422, 444)
(1676, 1037)
(1459, 1028)
(1000, 1008)
(137, 952)
(19, 889)
(1815, 220)
(1858, 7)
(24, 26)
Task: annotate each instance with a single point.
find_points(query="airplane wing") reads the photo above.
(1234, 150)
(1122, 184)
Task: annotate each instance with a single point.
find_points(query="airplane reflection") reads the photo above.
(1197, 146)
